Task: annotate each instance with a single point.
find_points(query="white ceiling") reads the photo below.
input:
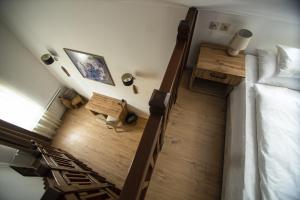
(285, 10)
(201, 3)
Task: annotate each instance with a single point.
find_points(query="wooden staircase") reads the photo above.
(66, 177)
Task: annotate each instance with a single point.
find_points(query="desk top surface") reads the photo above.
(214, 58)
(106, 105)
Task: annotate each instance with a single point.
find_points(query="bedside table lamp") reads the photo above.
(239, 42)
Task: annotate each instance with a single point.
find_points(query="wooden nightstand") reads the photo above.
(214, 64)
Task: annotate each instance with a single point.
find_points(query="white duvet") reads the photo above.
(278, 136)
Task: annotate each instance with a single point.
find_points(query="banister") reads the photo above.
(161, 102)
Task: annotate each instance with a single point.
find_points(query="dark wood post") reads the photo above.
(161, 102)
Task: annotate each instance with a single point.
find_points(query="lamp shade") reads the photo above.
(47, 59)
(239, 41)
(127, 79)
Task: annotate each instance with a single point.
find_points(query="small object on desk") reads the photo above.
(218, 72)
(239, 42)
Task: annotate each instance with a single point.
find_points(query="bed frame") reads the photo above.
(56, 166)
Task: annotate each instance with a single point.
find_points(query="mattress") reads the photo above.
(240, 172)
(278, 136)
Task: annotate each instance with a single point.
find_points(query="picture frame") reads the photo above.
(90, 66)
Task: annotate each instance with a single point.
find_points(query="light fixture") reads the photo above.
(50, 57)
(239, 42)
(127, 79)
(47, 59)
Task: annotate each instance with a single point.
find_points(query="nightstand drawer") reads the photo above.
(218, 77)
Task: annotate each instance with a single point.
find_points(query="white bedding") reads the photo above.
(240, 173)
(278, 136)
(242, 169)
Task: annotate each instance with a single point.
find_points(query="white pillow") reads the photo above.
(267, 61)
(288, 61)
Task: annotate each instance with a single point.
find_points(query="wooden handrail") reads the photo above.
(160, 103)
(19, 138)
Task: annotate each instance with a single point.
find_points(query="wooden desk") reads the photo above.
(101, 104)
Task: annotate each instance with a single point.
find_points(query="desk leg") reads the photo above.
(192, 80)
(228, 90)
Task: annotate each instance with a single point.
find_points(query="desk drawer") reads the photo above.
(218, 77)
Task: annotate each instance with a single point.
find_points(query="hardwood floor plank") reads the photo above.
(190, 164)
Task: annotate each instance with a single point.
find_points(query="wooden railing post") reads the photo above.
(161, 102)
(159, 105)
(148, 149)
(183, 30)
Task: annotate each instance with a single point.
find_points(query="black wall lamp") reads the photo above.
(50, 57)
(47, 59)
(127, 79)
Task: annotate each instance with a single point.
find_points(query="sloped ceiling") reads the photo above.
(200, 3)
(284, 10)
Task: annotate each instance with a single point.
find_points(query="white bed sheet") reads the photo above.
(278, 136)
(240, 174)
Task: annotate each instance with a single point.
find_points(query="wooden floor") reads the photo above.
(190, 164)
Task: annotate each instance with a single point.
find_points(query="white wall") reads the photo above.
(267, 30)
(133, 36)
(7, 154)
(14, 186)
(22, 72)
(282, 10)
(26, 86)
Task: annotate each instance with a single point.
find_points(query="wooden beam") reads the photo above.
(22, 136)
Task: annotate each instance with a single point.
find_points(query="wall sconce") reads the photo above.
(47, 59)
(50, 57)
(239, 42)
(127, 79)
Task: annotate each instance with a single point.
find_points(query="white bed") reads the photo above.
(240, 159)
(257, 124)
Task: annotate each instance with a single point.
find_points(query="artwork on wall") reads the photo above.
(90, 66)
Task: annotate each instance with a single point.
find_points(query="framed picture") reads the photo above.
(90, 66)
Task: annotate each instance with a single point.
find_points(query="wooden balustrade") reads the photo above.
(19, 138)
(160, 103)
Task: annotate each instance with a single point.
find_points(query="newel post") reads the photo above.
(159, 105)
(183, 30)
(159, 102)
